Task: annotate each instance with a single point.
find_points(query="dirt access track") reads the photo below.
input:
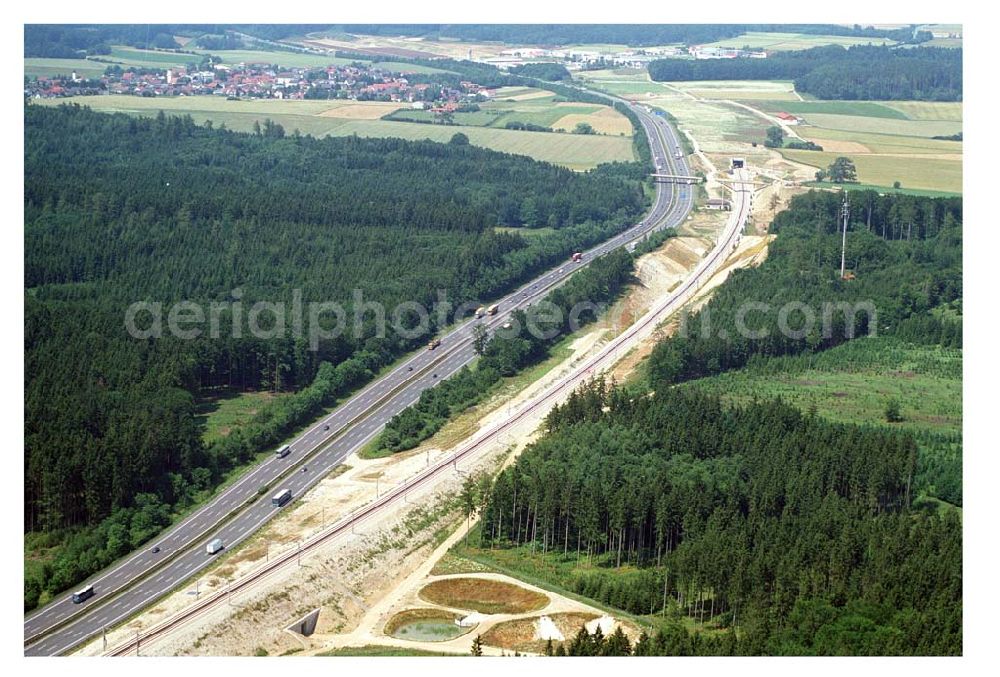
(503, 632)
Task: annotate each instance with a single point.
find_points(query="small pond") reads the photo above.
(425, 626)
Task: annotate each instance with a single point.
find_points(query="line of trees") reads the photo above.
(863, 72)
(542, 71)
(506, 354)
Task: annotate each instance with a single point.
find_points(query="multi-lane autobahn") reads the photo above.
(239, 510)
(525, 414)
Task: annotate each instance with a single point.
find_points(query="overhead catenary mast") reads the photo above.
(845, 211)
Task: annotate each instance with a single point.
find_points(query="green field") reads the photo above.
(132, 56)
(860, 108)
(888, 141)
(881, 189)
(881, 125)
(926, 173)
(225, 411)
(929, 110)
(853, 382)
(888, 144)
(627, 88)
(287, 59)
(479, 118)
(402, 67)
(140, 57)
(614, 74)
(46, 68)
(739, 89)
(542, 112)
(576, 151)
(199, 104)
(790, 41)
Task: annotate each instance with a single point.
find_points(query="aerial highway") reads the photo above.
(238, 511)
(605, 358)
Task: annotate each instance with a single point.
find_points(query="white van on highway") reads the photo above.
(214, 546)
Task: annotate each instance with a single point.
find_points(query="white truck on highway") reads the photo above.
(83, 594)
(283, 451)
(214, 546)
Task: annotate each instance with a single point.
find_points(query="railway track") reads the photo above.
(605, 357)
(234, 501)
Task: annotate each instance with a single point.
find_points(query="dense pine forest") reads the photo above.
(793, 531)
(904, 256)
(121, 209)
(769, 529)
(833, 72)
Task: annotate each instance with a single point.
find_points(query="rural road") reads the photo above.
(238, 511)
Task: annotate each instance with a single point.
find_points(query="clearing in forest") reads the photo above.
(483, 595)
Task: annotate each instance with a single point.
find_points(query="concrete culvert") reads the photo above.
(306, 625)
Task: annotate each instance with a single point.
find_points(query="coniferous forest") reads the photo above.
(782, 532)
(121, 209)
(863, 72)
(792, 531)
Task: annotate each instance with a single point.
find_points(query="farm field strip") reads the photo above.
(934, 173)
(869, 109)
(928, 110)
(882, 143)
(792, 41)
(45, 68)
(887, 140)
(873, 125)
(885, 143)
(576, 151)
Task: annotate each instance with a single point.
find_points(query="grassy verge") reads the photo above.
(888, 190)
(374, 650)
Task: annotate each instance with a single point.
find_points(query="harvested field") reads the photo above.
(325, 118)
(522, 634)
(835, 146)
(369, 110)
(604, 121)
(483, 595)
(521, 93)
(929, 110)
